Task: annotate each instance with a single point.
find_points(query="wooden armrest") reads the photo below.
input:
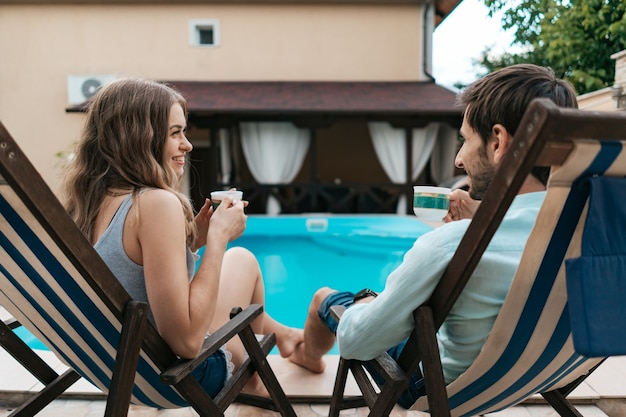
(183, 367)
(337, 312)
(388, 368)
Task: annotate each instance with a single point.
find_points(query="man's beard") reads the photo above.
(479, 181)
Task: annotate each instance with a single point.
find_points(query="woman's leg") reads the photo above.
(241, 284)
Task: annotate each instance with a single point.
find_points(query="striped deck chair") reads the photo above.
(529, 350)
(54, 283)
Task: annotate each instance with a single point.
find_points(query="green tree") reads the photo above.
(575, 38)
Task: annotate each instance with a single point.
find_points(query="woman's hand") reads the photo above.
(229, 220)
(202, 224)
(462, 206)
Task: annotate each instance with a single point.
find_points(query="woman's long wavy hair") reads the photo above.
(121, 149)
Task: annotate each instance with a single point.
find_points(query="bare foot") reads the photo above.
(256, 387)
(288, 340)
(299, 357)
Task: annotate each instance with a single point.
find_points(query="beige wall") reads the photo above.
(41, 45)
(605, 99)
(620, 67)
(600, 100)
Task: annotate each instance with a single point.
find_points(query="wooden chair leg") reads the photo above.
(55, 384)
(239, 379)
(259, 359)
(386, 401)
(24, 354)
(44, 397)
(339, 388)
(198, 397)
(558, 398)
(428, 350)
(126, 360)
(560, 404)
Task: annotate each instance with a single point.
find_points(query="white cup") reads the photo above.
(218, 196)
(430, 204)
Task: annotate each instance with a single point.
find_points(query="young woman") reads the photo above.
(121, 190)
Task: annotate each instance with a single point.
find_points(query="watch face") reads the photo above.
(364, 293)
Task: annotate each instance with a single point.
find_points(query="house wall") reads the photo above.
(599, 100)
(619, 96)
(620, 67)
(41, 45)
(606, 99)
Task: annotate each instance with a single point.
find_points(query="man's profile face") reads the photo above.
(477, 161)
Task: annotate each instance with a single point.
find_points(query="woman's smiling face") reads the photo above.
(177, 145)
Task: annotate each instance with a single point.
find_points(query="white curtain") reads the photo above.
(225, 153)
(444, 152)
(390, 146)
(274, 152)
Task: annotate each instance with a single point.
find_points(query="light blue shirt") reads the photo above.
(366, 330)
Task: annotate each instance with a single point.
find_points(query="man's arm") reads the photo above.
(373, 325)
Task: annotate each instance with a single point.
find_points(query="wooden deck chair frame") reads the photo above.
(547, 136)
(54, 283)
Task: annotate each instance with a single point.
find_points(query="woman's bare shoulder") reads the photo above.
(157, 201)
(157, 194)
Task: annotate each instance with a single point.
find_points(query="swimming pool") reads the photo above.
(300, 253)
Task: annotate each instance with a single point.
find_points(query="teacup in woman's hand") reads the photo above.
(218, 196)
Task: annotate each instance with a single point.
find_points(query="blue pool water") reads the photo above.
(29, 339)
(299, 254)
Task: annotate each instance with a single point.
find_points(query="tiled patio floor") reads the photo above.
(80, 408)
(602, 395)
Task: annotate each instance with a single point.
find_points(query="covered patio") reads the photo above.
(336, 147)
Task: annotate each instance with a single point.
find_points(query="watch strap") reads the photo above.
(364, 293)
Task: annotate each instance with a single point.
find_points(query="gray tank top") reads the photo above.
(111, 249)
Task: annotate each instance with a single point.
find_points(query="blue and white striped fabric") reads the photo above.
(530, 349)
(41, 288)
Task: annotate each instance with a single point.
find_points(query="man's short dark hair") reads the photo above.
(502, 96)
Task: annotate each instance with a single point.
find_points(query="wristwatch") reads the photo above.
(364, 293)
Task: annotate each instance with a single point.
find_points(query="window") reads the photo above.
(204, 32)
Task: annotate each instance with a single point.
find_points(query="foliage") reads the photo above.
(575, 38)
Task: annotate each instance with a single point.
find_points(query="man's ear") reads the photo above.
(500, 143)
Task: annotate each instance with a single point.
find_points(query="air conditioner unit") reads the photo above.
(81, 88)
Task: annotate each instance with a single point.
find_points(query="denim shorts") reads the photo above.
(416, 387)
(213, 373)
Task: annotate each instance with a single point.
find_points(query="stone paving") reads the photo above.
(602, 395)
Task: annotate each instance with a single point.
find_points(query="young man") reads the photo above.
(374, 323)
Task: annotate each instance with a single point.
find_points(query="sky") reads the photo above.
(461, 37)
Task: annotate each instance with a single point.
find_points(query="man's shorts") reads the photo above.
(338, 298)
(416, 387)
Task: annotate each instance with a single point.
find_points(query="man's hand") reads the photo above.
(462, 206)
